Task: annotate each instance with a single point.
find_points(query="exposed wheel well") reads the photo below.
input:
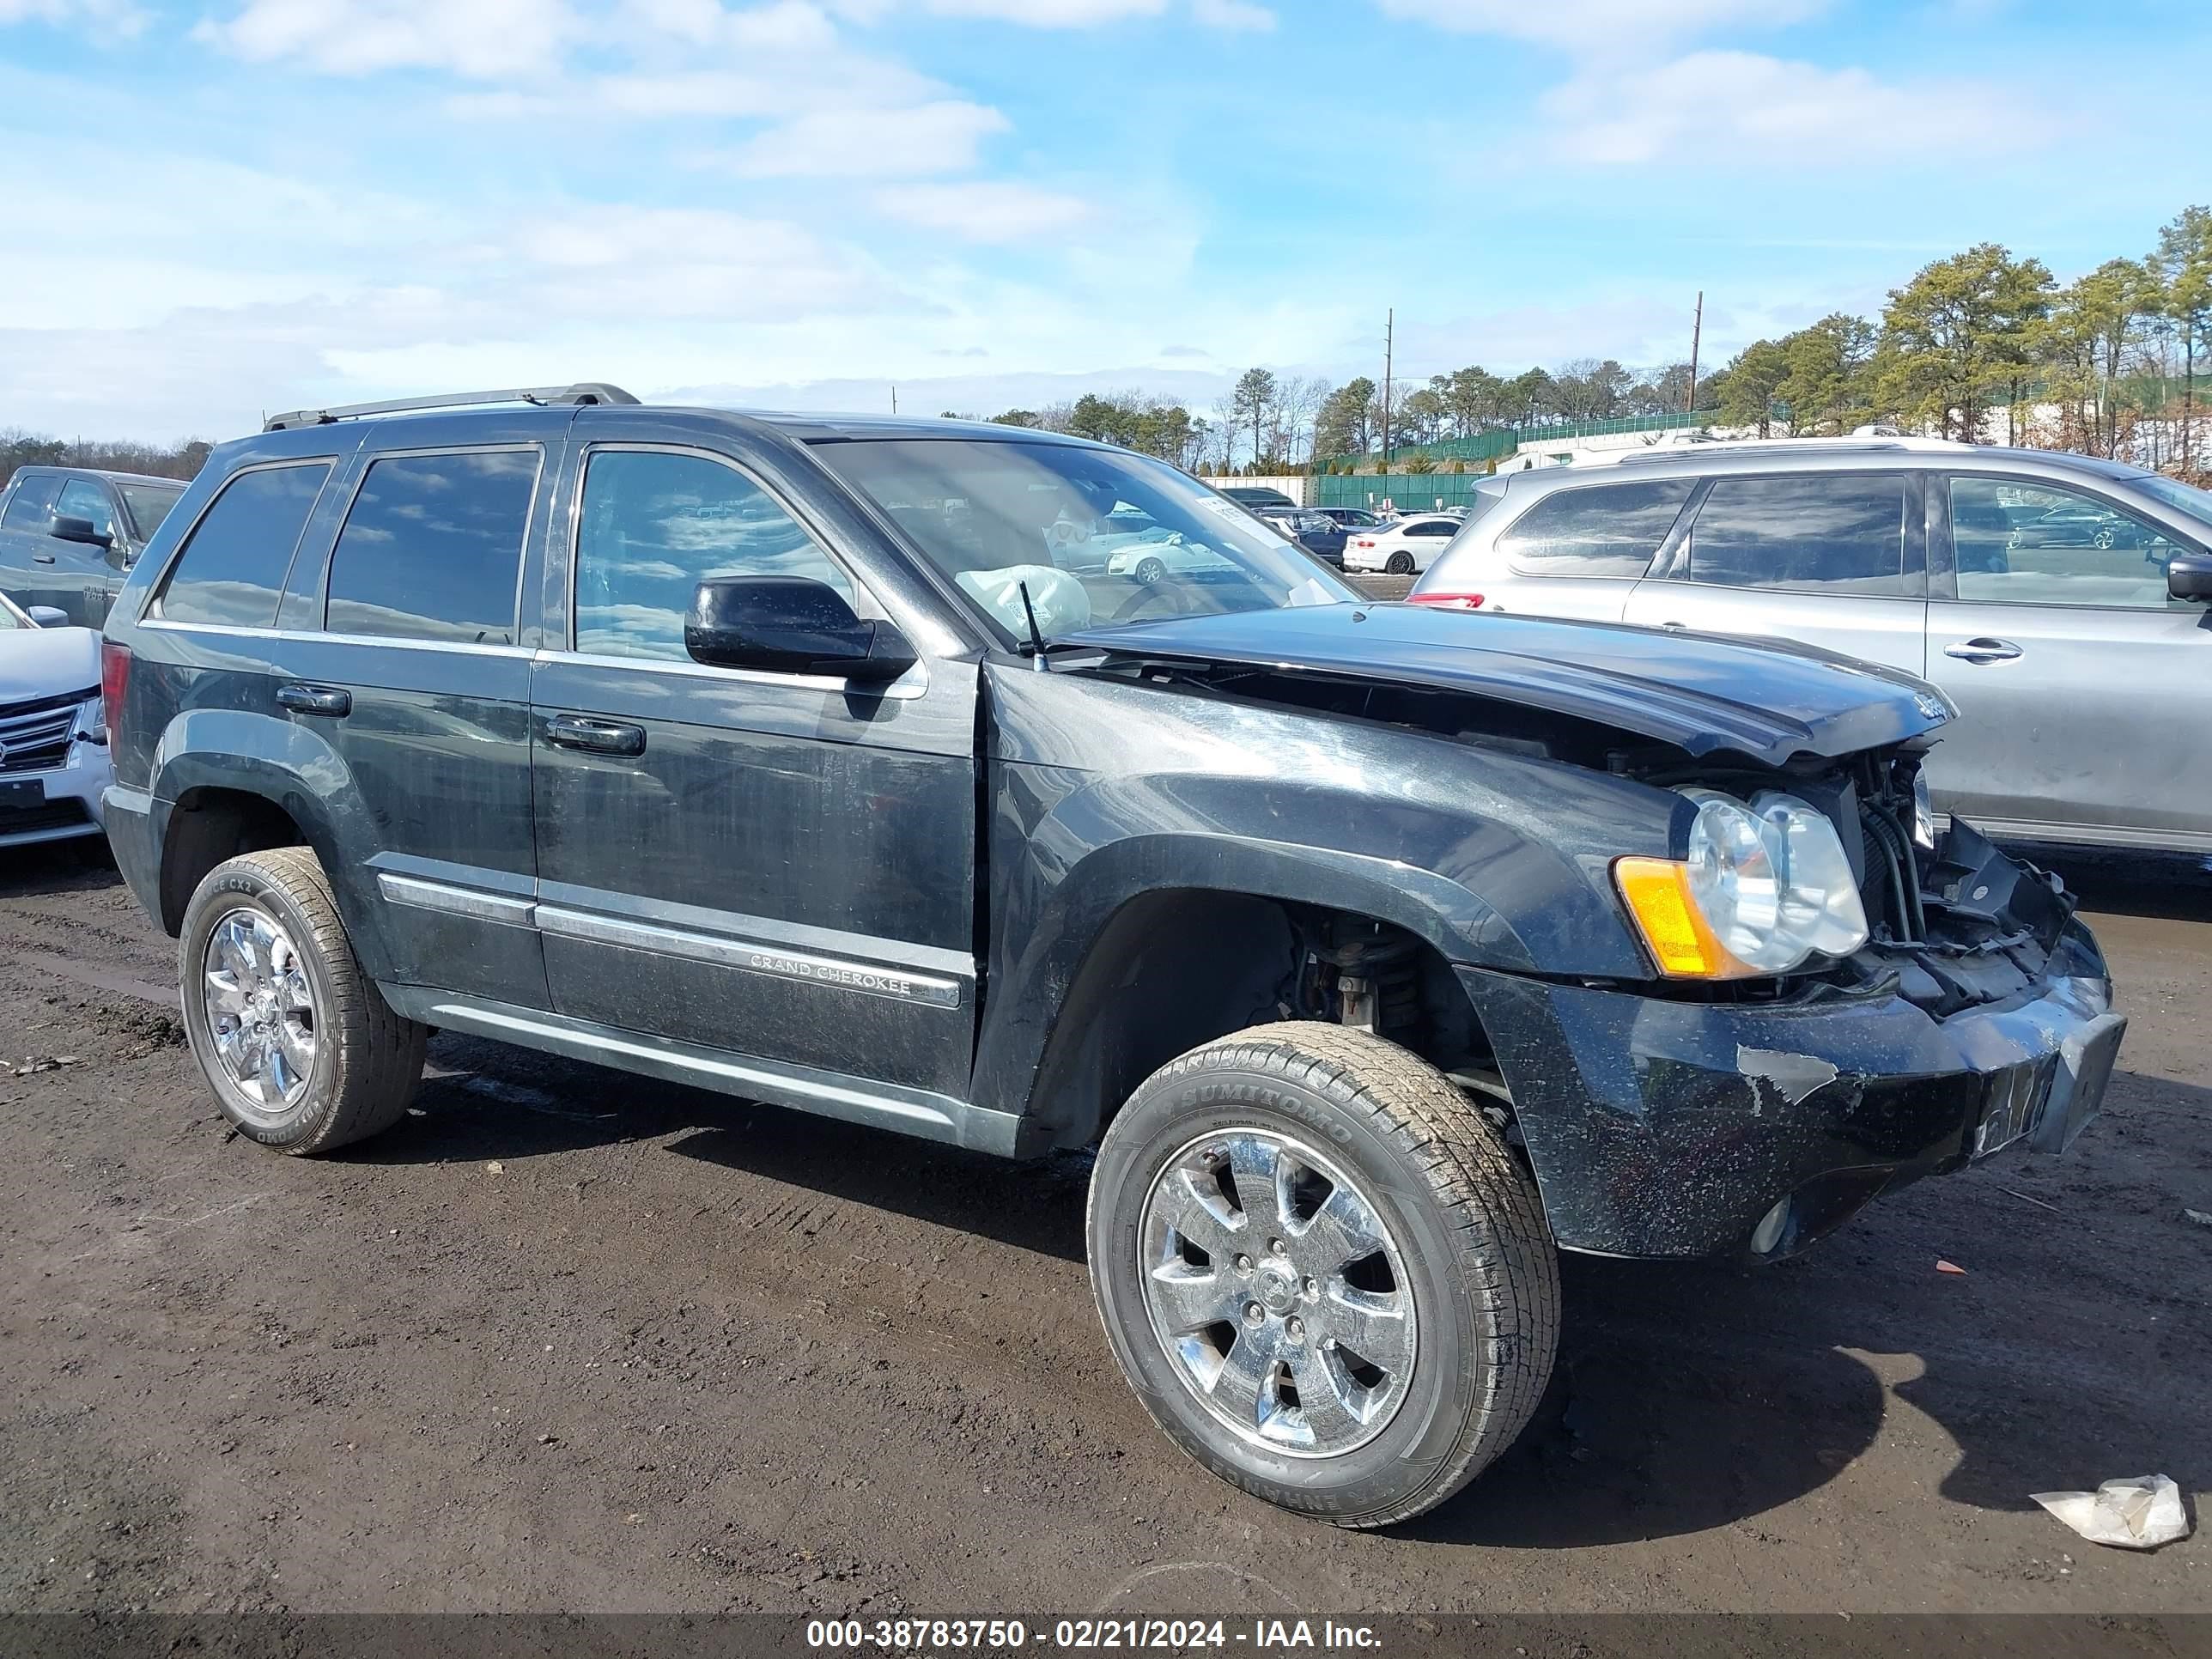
(1172, 970)
(207, 827)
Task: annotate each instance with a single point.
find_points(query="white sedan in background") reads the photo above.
(1403, 546)
(53, 741)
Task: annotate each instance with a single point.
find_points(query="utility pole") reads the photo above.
(1389, 346)
(1696, 338)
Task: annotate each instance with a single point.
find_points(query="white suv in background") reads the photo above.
(2058, 601)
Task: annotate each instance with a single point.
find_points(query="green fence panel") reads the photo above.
(1412, 492)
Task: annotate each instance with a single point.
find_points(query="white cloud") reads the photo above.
(1597, 26)
(986, 210)
(870, 144)
(1737, 108)
(1049, 14)
(481, 40)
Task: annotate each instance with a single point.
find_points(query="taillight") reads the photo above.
(1364, 541)
(1449, 601)
(114, 681)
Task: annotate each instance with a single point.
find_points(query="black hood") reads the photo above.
(1701, 693)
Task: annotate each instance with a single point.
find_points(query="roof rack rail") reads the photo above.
(584, 391)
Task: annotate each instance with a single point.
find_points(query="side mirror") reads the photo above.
(2188, 576)
(790, 625)
(67, 529)
(47, 616)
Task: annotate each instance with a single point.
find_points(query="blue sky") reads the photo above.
(221, 208)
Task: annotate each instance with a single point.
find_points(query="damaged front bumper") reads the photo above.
(1663, 1126)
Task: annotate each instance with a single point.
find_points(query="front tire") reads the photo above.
(1150, 571)
(1322, 1271)
(1401, 564)
(302, 1051)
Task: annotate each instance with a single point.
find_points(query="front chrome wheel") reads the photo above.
(260, 1008)
(1277, 1292)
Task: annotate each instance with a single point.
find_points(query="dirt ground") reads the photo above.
(570, 1339)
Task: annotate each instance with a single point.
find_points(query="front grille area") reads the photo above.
(35, 742)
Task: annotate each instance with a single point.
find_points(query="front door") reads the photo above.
(83, 577)
(774, 864)
(1827, 558)
(2084, 693)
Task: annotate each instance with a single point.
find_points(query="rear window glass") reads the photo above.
(1833, 532)
(432, 549)
(1608, 530)
(149, 504)
(232, 569)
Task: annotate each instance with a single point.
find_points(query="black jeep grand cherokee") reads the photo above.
(1382, 952)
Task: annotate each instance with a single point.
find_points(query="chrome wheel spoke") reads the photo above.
(1239, 1386)
(1345, 1230)
(1191, 1299)
(1374, 1326)
(1190, 1201)
(1328, 1397)
(1256, 1169)
(224, 994)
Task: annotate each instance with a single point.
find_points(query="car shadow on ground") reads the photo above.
(44, 868)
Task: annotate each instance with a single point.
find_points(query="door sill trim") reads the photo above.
(917, 1112)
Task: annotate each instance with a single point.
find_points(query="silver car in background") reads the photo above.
(2059, 601)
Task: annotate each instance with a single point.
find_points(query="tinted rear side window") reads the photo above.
(1610, 530)
(1833, 532)
(232, 569)
(432, 549)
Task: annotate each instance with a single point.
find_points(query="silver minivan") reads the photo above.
(2059, 601)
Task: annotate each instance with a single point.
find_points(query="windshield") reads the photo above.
(1096, 536)
(150, 504)
(2196, 502)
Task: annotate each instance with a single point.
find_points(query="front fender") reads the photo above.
(1068, 853)
(294, 769)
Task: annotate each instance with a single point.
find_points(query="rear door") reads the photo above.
(1836, 559)
(2085, 693)
(409, 662)
(775, 865)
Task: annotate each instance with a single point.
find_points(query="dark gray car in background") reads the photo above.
(2058, 601)
(69, 535)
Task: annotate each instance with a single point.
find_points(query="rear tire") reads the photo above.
(1224, 1193)
(301, 1048)
(1401, 564)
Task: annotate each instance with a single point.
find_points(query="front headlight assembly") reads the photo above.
(1763, 888)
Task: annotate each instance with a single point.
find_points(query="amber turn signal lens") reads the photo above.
(1657, 894)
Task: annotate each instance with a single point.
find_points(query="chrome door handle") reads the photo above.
(334, 700)
(1983, 650)
(42, 558)
(595, 736)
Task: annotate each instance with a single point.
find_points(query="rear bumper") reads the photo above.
(135, 822)
(1666, 1127)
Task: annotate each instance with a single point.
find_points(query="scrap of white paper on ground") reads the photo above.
(2137, 1513)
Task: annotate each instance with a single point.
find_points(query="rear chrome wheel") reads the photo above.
(1279, 1292)
(260, 1009)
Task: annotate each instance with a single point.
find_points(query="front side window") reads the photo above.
(2032, 543)
(1841, 533)
(1613, 530)
(80, 498)
(653, 527)
(232, 569)
(32, 504)
(1002, 516)
(432, 549)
